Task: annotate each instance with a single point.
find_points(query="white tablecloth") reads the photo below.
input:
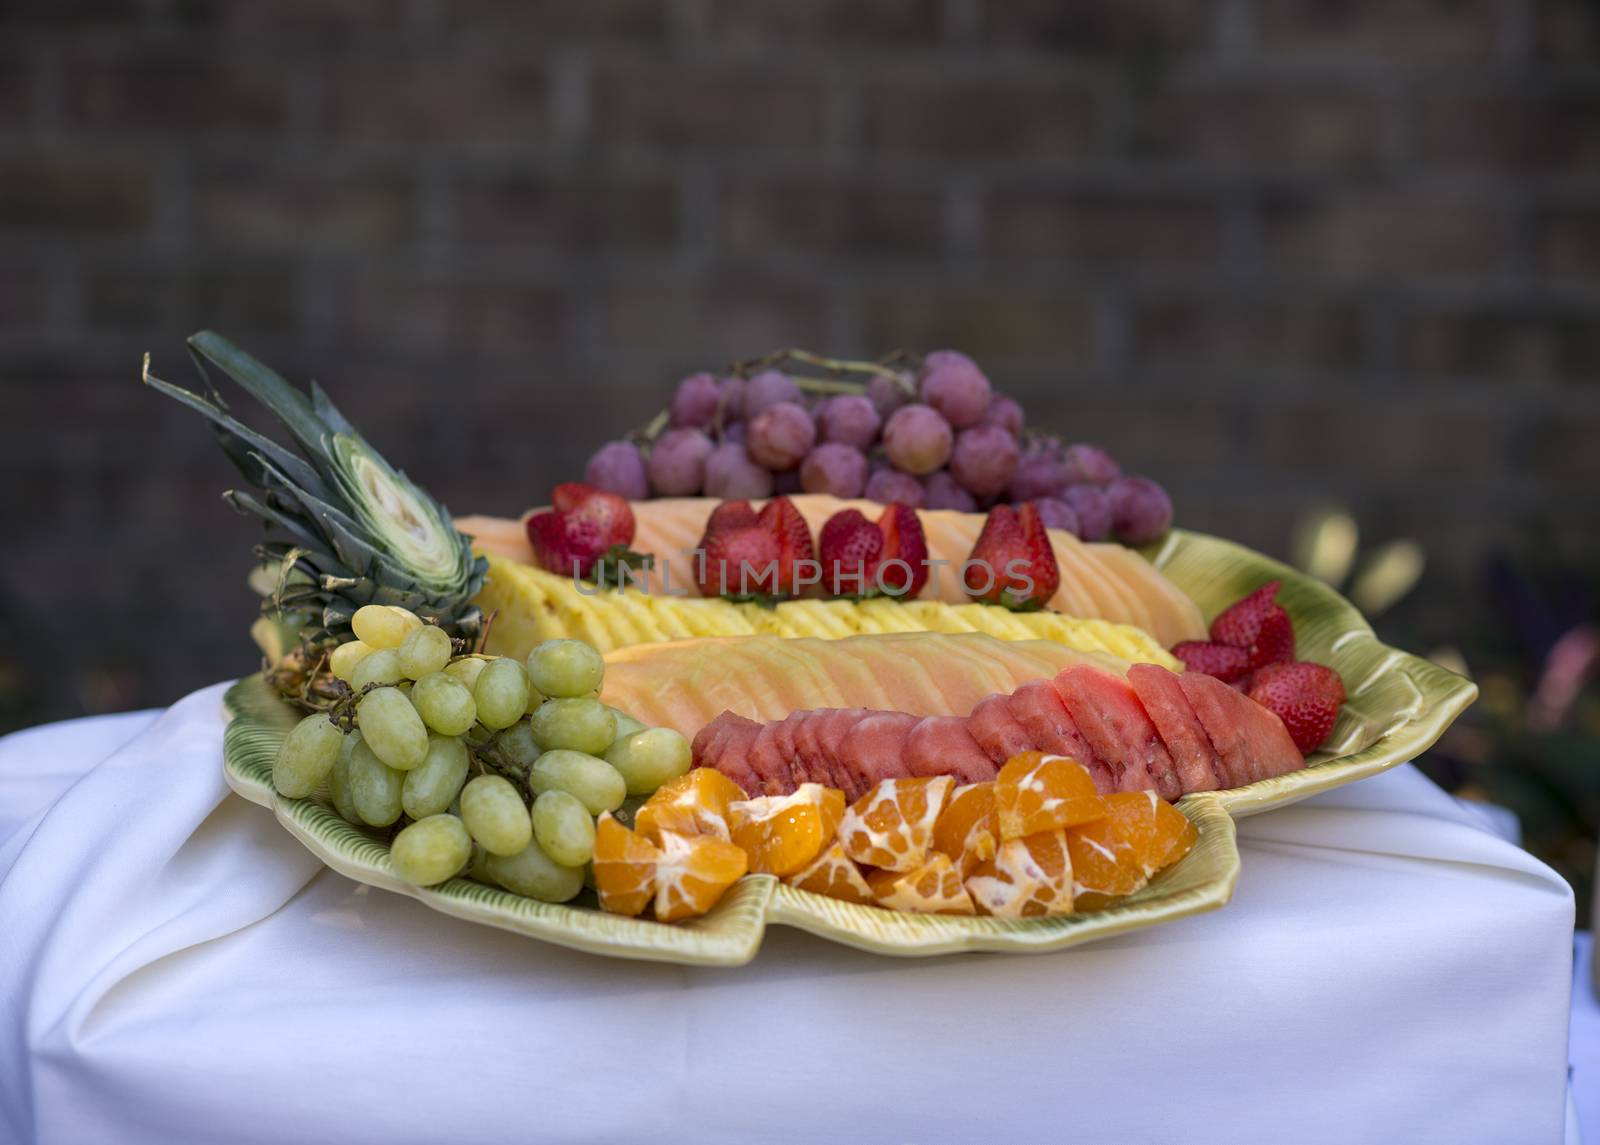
(174, 968)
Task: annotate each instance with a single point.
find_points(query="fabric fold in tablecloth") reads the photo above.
(174, 967)
(143, 856)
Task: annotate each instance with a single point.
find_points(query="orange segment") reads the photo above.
(1104, 866)
(693, 873)
(1037, 792)
(1157, 831)
(933, 887)
(624, 867)
(834, 875)
(968, 829)
(783, 833)
(1116, 855)
(891, 826)
(1027, 877)
(695, 803)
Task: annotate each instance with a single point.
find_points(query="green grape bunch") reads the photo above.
(484, 766)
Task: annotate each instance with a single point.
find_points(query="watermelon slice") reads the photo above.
(724, 744)
(1198, 764)
(784, 738)
(1050, 727)
(832, 727)
(997, 731)
(1252, 741)
(872, 750)
(770, 762)
(942, 745)
(1114, 722)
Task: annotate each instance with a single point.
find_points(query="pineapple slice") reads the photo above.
(531, 605)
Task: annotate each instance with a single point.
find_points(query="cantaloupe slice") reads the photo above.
(686, 684)
(1108, 582)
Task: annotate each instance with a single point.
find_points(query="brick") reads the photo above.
(1384, 233)
(816, 214)
(732, 315)
(439, 99)
(468, 316)
(1247, 334)
(834, 23)
(134, 299)
(62, 13)
(1239, 122)
(944, 115)
(172, 93)
(1119, 228)
(49, 193)
(575, 213)
(245, 300)
(298, 207)
(1565, 452)
(1422, 441)
(1551, 131)
(660, 104)
(1567, 31)
(1568, 242)
(1141, 28)
(325, 21)
(1523, 345)
(999, 322)
(16, 92)
(1175, 435)
(545, 20)
(22, 296)
(1395, 31)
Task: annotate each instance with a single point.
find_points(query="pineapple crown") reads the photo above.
(345, 527)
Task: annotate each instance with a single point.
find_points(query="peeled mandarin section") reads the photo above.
(968, 829)
(932, 887)
(1037, 792)
(783, 833)
(891, 826)
(624, 867)
(1027, 877)
(1104, 864)
(693, 873)
(695, 803)
(1157, 831)
(833, 875)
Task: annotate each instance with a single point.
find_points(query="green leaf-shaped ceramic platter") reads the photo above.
(1398, 706)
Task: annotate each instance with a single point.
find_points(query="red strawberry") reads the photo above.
(1012, 562)
(1223, 661)
(1305, 696)
(784, 521)
(856, 553)
(738, 560)
(581, 526)
(1258, 624)
(746, 553)
(728, 515)
(904, 540)
(850, 548)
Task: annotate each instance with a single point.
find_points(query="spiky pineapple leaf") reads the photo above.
(355, 527)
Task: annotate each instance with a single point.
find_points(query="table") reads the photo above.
(174, 968)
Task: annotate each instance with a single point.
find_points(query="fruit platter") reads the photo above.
(840, 645)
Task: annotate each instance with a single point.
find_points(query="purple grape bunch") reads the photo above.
(939, 438)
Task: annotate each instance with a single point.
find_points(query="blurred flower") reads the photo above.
(1326, 543)
(1565, 670)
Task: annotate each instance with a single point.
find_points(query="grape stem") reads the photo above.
(488, 625)
(884, 368)
(893, 365)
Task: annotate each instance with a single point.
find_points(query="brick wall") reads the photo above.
(1272, 252)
